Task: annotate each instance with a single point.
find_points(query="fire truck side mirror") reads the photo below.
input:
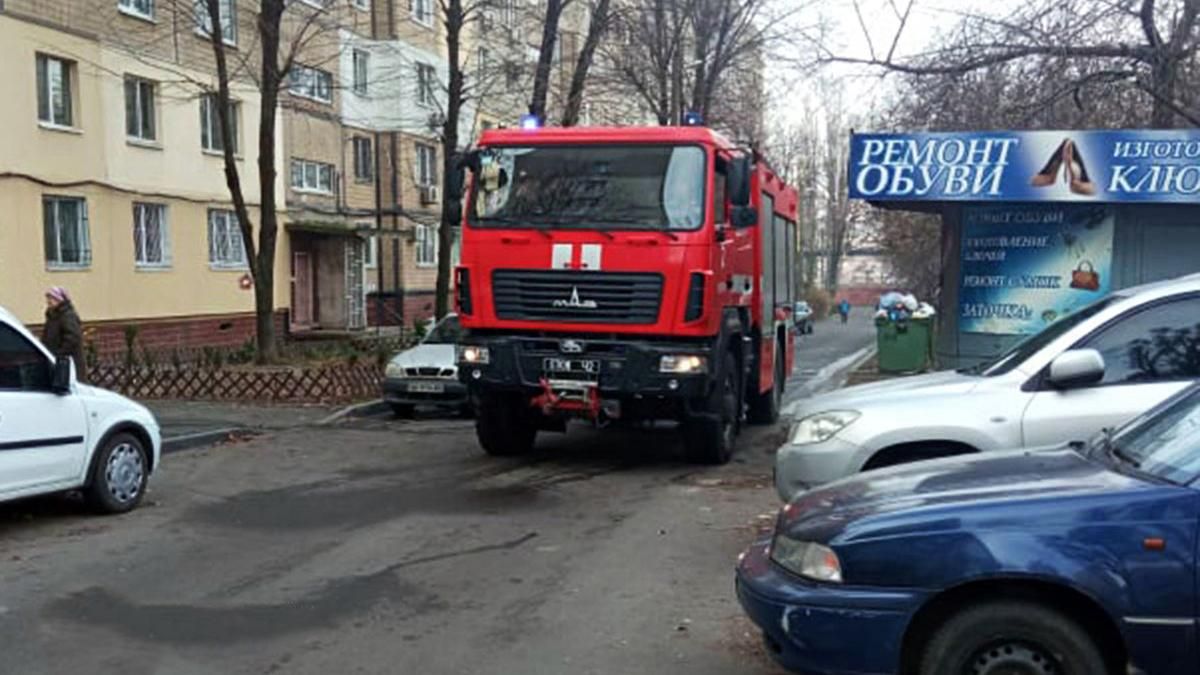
(744, 216)
(737, 180)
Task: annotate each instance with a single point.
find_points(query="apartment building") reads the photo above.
(111, 179)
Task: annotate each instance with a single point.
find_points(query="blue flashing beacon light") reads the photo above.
(692, 119)
(531, 122)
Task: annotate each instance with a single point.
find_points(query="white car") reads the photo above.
(1090, 370)
(58, 435)
(427, 373)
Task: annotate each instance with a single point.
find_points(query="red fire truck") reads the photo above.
(622, 274)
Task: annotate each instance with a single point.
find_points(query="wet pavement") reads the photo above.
(377, 545)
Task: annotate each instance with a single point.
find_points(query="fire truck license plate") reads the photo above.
(577, 366)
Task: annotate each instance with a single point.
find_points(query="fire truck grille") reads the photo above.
(577, 296)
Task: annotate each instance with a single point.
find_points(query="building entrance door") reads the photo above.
(302, 289)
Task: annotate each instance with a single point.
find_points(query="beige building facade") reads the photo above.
(110, 184)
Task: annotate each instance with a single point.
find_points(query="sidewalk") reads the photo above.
(187, 424)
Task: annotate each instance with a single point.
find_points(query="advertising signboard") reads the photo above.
(1024, 266)
(1028, 166)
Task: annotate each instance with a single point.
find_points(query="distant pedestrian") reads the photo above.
(63, 332)
(844, 309)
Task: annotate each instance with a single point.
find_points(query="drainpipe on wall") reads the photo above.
(378, 234)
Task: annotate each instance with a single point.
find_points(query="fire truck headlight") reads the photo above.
(682, 364)
(473, 354)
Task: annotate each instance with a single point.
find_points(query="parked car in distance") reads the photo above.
(427, 373)
(1096, 367)
(803, 318)
(1078, 560)
(59, 435)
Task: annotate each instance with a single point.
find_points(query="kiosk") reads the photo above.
(1037, 224)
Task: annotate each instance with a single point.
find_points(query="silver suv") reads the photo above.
(1090, 370)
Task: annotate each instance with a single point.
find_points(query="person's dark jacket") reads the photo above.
(63, 335)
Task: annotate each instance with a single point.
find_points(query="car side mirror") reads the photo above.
(457, 180)
(737, 181)
(61, 376)
(744, 216)
(1076, 368)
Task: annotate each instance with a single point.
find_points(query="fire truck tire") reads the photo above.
(708, 437)
(764, 407)
(504, 426)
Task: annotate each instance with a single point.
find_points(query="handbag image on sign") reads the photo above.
(1085, 277)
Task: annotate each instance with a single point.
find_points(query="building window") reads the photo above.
(312, 83)
(426, 246)
(66, 232)
(510, 13)
(422, 12)
(139, 109)
(370, 247)
(426, 165)
(140, 8)
(210, 124)
(151, 247)
(225, 248)
(364, 166)
(312, 176)
(364, 5)
(54, 90)
(227, 11)
(362, 61)
(426, 78)
(481, 65)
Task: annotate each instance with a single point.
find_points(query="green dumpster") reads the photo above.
(904, 346)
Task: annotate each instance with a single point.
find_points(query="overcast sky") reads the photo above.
(863, 88)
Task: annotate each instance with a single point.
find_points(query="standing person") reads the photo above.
(63, 332)
(844, 309)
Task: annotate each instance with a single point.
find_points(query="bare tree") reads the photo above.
(597, 29)
(276, 57)
(1078, 50)
(548, 45)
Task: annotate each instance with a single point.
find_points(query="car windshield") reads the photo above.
(1166, 441)
(447, 332)
(603, 186)
(1026, 348)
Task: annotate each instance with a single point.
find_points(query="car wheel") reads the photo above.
(119, 474)
(764, 408)
(504, 425)
(403, 410)
(1011, 637)
(709, 437)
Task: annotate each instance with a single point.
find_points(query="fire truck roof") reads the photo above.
(646, 134)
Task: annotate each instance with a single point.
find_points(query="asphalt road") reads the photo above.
(830, 341)
(384, 546)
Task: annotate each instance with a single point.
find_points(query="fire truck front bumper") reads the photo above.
(613, 368)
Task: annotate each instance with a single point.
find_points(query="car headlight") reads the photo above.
(822, 426)
(808, 559)
(393, 370)
(474, 354)
(682, 364)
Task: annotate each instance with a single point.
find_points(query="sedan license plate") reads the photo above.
(572, 366)
(426, 387)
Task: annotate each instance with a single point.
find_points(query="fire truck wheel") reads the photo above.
(504, 426)
(764, 407)
(708, 438)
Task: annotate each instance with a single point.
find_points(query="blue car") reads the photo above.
(1073, 561)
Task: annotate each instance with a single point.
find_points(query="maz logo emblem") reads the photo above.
(571, 347)
(575, 302)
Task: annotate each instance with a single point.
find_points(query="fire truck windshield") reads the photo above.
(590, 186)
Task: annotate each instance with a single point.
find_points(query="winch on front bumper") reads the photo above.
(585, 376)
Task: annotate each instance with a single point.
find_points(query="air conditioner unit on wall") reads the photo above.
(429, 194)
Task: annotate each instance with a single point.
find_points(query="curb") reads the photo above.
(830, 372)
(200, 439)
(366, 409)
